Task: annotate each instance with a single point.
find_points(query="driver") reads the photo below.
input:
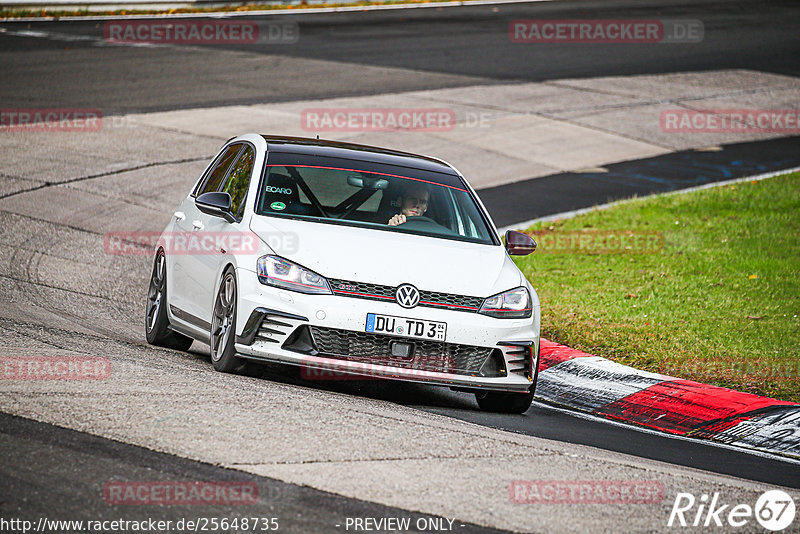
(414, 203)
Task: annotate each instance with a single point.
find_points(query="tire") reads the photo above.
(490, 401)
(508, 402)
(223, 325)
(156, 323)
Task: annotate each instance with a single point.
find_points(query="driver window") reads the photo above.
(218, 171)
(239, 179)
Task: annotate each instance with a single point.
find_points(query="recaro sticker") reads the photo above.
(281, 190)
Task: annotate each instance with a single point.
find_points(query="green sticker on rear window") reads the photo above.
(278, 206)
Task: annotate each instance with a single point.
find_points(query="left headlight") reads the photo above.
(512, 304)
(278, 272)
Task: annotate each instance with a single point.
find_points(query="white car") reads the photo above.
(347, 258)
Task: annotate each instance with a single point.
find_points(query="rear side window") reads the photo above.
(218, 171)
(239, 179)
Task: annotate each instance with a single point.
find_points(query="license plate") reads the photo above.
(403, 326)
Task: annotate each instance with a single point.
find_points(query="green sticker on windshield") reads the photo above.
(278, 206)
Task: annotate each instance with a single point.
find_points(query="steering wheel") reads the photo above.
(425, 224)
(417, 219)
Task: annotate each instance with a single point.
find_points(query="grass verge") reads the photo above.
(708, 288)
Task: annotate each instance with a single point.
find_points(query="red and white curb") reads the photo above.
(595, 385)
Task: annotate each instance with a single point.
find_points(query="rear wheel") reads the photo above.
(157, 330)
(223, 325)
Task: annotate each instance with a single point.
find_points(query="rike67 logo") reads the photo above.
(774, 510)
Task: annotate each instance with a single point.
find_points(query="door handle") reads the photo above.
(179, 215)
(197, 225)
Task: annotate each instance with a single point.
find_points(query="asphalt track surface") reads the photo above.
(70, 455)
(545, 422)
(559, 193)
(445, 48)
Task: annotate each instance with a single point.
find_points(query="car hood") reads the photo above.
(390, 258)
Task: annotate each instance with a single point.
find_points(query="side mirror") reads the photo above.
(519, 244)
(217, 204)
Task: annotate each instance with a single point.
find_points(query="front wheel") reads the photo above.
(223, 325)
(157, 330)
(510, 402)
(490, 401)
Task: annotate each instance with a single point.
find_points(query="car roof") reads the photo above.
(353, 151)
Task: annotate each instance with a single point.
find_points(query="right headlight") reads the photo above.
(511, 304)
(279, 272)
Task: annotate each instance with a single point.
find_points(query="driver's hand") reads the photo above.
(397, 219)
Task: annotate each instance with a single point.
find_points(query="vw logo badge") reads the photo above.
(407, 296)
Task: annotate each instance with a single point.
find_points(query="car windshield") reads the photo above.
(389, 198)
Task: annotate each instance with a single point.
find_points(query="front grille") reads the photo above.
(362, 290)
(428, 299)
(435, 356)
(446, 300)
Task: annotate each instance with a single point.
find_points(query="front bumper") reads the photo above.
(325, 335)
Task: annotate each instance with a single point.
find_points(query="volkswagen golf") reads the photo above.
(362, 260)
